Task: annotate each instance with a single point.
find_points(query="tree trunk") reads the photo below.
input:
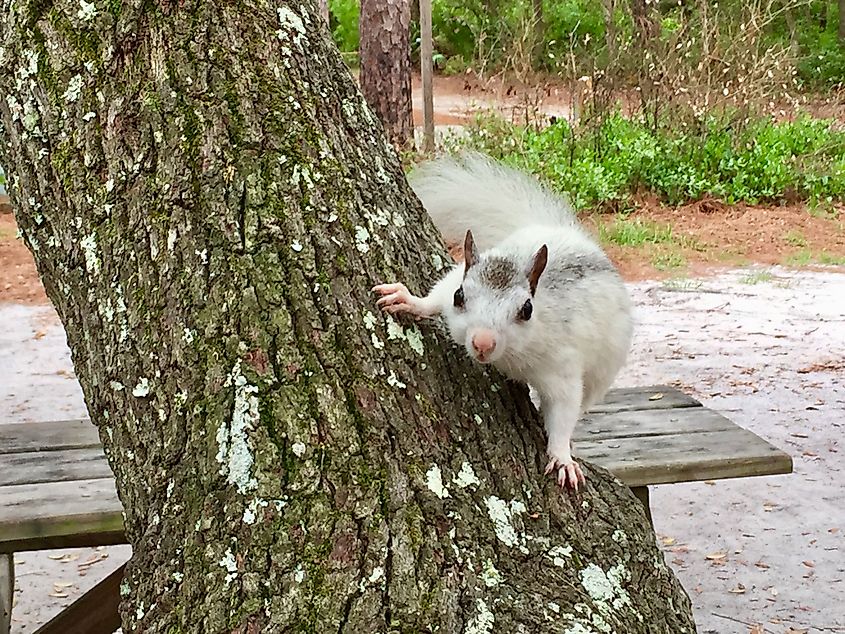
(539, 33)
(385, 76)
(324, 10)
(209, 200)
(841, 30)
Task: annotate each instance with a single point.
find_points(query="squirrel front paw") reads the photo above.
(569, 472)
(396, 298)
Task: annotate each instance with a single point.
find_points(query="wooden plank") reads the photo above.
(661, 422)
(632, 398)
(95, 612)
(60, 515)
(52, 436)
(7, 591)
(53, 466)
(641, 461)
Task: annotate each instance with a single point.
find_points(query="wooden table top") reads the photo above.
(57, 491)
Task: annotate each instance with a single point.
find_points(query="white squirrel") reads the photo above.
(536, 297)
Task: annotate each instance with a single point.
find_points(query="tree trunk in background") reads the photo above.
(209, 200)
(841, 30)
(539, 27)
(646, 21)
(324, 10)
(385, 53)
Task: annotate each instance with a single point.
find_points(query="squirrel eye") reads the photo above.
(459, 298)
(524, 313)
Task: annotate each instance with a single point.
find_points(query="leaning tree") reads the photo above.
(209, 200)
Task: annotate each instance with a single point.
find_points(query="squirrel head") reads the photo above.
(495, 303)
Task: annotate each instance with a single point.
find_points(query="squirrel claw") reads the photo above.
(567, 474)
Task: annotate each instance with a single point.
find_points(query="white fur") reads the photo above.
(577, 339)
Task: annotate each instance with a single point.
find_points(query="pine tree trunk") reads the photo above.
(209, 200)
(841, 30)
(385, 77)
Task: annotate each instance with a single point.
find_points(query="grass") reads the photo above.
(795, 238)
(757, 277)
(634, 233)
(806, 257)
(668, 260)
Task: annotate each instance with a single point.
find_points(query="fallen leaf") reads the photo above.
(757, 629)
(710, 482)
(40, 334)
(769, 506)
(762, 565)
(719, 554)
(832, 530)
(56, 557)
(809, 564)
(667, 541)
(739, 589)
(656, 397)
(59, 595)
(63, 584)
(792, 630)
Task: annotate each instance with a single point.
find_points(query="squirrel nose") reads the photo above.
(484, 343)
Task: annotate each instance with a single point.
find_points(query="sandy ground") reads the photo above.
(765, 349)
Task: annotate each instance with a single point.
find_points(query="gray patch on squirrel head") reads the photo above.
(568, 270)
(498, 273)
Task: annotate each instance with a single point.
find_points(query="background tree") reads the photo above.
(209, 200)
(385, 54)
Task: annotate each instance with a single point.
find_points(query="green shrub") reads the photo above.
(759, 162)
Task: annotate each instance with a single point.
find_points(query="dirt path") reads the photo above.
(768, 354)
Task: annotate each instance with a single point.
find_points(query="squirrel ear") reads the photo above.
(538, 265)
(469, 251)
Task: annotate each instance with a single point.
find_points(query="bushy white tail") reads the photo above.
(474, 192)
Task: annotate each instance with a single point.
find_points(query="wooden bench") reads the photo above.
(56, 489)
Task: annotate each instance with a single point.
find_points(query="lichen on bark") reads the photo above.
(209, 200)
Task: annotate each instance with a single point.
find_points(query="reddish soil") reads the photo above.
(710, 236)
(19, 280)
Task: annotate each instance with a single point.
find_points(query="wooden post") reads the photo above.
(641, 494)
(7, 591)
(426, 70)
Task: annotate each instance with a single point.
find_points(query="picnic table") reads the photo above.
(57, 491)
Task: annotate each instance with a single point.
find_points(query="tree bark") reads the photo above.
(209, 200)
(841, 29)
(385, 53)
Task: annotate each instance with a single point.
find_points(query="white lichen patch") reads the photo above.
(415, 340)
(142, 388)
(88, 116)
(296, 245)
(377, 575)
(229, 564)
(501, 514)
(292, 26)
(483, 621)
(370, 320)
(559, 555)
(412, 335)
(394, 381)
(605, 589)
(89, 249)
(251, 511)
(178, 576)
(362, 237)
(87, 11)
(466, 477)
(74, 89)
(188, 336)
(378, 344)
(434, 480)
(299, 449)
(477, 419)
(619, 536)
(299, 574)
(489, 575)
(235, 453)
(117, 386)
